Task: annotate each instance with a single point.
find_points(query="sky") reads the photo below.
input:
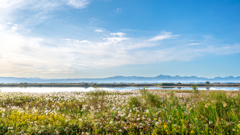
(103, 38)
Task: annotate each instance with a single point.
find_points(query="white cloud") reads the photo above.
(99, 30)
(27, 55)
(120, 34)
(111, 40)
(84, 41)
(162, 36)
(194, 44)
(22, 55)
(78, 3)
(39, 9)
(42, 4)
(15, 27)
(115, 39)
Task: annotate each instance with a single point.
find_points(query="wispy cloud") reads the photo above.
(39, 9)
(120, 34)
(78, 3)
(99, 30)
(42, 4)
(194, 44)
(26, 55)
(162, 36)
(22, 54)
(115, 39)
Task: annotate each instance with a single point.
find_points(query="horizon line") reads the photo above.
(121, 76)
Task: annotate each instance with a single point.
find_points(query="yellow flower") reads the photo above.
(192, 132)
(165, 126)
(182, 120)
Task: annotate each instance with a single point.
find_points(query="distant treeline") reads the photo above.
(114, 84)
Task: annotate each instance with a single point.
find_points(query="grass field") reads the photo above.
(133, 112)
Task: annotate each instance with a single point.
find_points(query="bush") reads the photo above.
(143, 92)
(153, 100)
(134, 101)
(97, 98)
(150, 98)
(98, 93)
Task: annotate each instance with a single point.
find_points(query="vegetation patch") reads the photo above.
(105, 112)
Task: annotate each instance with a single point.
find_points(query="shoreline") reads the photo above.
(164, 85)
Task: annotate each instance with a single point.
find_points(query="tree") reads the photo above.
(207, 82)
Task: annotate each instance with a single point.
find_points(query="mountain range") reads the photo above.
(126, 79)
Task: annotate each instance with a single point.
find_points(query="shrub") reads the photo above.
(150, 98)
(153, 99)
(143, 92)
(134, 101)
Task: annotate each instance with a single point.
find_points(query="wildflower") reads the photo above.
(165, 126)
(120, 130)
(111, 122)
(147, 111)
(182, 120)
(224, 104)
(10, 128)
(192, 132)
(140, 125)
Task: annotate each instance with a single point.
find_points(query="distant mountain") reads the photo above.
(129, 79)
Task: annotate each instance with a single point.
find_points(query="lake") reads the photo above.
(82, 89)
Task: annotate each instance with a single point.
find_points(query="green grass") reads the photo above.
(105, 112)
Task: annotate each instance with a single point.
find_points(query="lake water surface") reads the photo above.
(81, 89)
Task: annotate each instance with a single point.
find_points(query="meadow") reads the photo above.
(126, 112)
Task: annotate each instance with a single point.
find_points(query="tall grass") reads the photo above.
(104, 112)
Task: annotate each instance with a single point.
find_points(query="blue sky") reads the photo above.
(102, 38)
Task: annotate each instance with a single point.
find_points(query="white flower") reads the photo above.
(10, 128)
(147, 111)
(120, 130)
